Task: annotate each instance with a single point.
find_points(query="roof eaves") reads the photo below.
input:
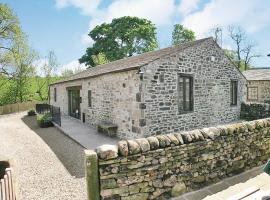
(91, 76)
(198, 42)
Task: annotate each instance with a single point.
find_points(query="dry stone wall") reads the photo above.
(169, 165)
(253, 111)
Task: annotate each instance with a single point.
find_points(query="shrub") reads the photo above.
(45, 120)
(31, 112)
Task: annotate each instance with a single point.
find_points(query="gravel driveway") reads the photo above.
(48, 165)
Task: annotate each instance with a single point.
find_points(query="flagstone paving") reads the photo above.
(85, 135)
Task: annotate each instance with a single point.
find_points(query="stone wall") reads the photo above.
(212, 72)
(113, 100)
(169, 165)
(261, 88)
(146, 104)
(253, 111)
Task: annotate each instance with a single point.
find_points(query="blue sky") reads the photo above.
(62, 25)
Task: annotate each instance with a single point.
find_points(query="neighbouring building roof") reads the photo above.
(131, 62)
(257, 74)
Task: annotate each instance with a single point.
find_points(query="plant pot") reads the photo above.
(31, 114)
(45, 124)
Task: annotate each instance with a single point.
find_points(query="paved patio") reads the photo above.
(83, 134)
(254, 182)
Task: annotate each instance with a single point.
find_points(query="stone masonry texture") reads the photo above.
(146, 103)
(211, 90)
(253, 111)
(262, 89)
(162, 166)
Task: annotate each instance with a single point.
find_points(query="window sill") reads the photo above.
(185, 112)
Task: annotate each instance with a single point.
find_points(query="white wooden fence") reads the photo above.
(7, 191)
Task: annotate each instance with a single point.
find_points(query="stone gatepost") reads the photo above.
(92, 175)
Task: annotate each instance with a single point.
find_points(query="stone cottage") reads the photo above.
(258, 85)
(176, 88)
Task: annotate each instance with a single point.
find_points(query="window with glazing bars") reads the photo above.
(54, 94)
(89, 98)
(234, 91)
(185, 93)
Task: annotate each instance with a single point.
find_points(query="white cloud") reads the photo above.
(85, 39)
(188, 6)
(160, 13)
(252, 15)
(87, 7)
(74, 65)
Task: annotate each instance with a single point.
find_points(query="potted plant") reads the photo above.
(31, 112)
(45, 120)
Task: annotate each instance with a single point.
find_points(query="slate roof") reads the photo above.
(257, 74)
(131, 62)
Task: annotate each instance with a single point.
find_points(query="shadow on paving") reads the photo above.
(68, 152)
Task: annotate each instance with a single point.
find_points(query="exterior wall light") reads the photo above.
(140, 71)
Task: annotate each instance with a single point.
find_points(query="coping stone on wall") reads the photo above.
(142, 145)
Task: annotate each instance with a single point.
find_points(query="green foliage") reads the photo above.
(44, 120)
(99, 59)
(123, 37)
(67, 72)
(9, 26)
(7, 91)
(10, 35)
(181, 34)
(48, 70)
(17, 69)
(31, 112)
(16, 58)
(47, 117)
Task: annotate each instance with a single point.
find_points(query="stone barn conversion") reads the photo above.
(258, 85)
(178, 88)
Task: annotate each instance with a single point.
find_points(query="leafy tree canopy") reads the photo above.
(181, 34)
(123, 37)
(9, 26)
(10, 34)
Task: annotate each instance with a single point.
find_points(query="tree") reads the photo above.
(48, 68)
(238, 36)
(69, 72)
(99, 59)
(248, 55)
(21, 59)
(10, 32)
(243, 47)
(123, 37)
(181, 34)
